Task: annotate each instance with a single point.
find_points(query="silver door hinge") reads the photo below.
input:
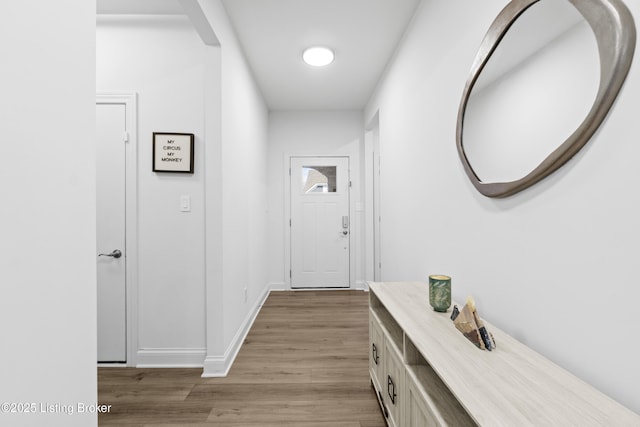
(289, 274)
(125, 137)
(349, 184)
(289, 222)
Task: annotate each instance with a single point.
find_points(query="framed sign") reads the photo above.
(173, 152)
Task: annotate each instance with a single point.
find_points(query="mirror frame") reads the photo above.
(615, 32)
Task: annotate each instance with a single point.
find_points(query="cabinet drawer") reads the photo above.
(393, 383)
(376, 348)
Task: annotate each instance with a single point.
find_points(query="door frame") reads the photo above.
(353, 223)
(131, 215)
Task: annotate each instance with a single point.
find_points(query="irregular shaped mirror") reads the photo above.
(544, 78)
(520, 106)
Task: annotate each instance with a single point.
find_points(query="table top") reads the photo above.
(511, 385)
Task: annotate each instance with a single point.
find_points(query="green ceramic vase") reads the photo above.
(440, 292)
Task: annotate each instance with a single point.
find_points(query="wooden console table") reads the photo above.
(427, 373)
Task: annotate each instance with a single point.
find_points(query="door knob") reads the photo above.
(115, 254)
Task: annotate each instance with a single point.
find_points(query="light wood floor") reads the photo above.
(304, 363)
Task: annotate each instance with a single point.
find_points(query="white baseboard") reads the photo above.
(360, 285)
(219, 366)
(170, 358)
(216, 366)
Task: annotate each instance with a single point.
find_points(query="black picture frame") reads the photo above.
(173, 152)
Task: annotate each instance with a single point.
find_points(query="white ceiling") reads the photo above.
(273, 34)
(139, 7)
(363, 34)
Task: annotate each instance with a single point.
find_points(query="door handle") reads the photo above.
(115, 254)
(345, 225)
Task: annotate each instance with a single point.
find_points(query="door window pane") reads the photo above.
(318, 179)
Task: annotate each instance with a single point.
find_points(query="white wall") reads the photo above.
(236, 202)
(553, 265)
(244, 189)
(48, 246)
(338, 133)
(162, 59)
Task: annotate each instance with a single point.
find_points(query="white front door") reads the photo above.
(110, 223)
(320, 223)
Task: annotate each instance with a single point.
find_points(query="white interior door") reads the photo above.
(111, 256)
(320, 223)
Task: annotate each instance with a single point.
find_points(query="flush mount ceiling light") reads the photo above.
(318, 56)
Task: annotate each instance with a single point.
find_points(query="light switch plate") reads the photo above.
(185, 203)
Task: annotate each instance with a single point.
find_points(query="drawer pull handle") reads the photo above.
(391, 389)
(374, 353)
